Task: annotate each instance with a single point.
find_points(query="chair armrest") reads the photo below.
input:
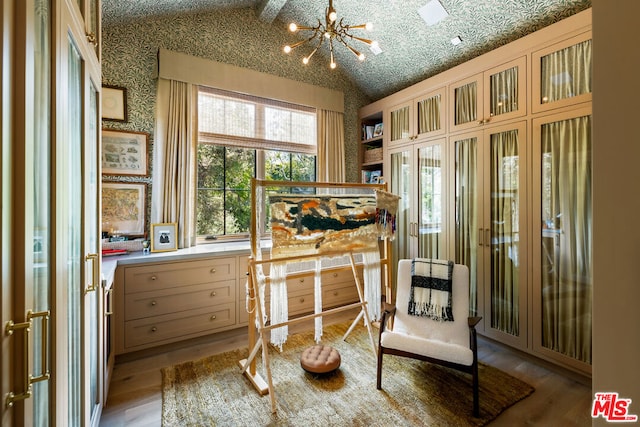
(473, 321)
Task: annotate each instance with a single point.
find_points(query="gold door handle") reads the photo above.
(29, 379)
(94, 272)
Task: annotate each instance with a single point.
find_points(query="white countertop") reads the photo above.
(109, 264)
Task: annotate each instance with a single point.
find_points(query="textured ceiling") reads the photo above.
(412, 51)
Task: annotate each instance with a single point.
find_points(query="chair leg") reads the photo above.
(379, 371)
(476, 398)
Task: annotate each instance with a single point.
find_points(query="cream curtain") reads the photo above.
(567, 237)
(429, 114)
(566, 73)
(466, 225)
(400, 123)
(505, 285)
(173, 198)
(430, 167)
(466, 101)
(504, 92)
(331, 161)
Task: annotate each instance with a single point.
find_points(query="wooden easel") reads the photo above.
(257, 336)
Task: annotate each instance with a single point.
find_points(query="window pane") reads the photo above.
(238, 211)
(210, 166)
(277, 166)
(303, 167)
(210, 218)
(239, 168)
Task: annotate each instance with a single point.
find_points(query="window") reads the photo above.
(241, 137)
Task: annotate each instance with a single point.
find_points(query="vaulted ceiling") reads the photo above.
(411, 50)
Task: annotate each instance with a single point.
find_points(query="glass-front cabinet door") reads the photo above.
(496, 95)
(489, 217)
(431, 114)
(562, 74)
(562, 242)
(400, 124)
(419, 177)
(77, 237)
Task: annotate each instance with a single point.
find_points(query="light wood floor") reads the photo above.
(135, 400)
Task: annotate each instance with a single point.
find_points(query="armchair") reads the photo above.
(448, 343)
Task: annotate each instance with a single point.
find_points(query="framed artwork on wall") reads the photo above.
(124, 152)
(114, 103)
(164, 237)
(123, 208)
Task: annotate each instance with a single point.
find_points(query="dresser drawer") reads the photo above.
(171, 327)
(169, 275)
(180, 298)
(339, 295)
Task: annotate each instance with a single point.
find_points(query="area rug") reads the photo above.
(213, 392)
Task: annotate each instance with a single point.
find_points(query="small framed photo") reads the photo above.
(164, 237)
(114, 103)
(377, 130)
(124, 152)
(123, 208)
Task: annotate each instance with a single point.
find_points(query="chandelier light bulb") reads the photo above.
(368, 26)
(333, 16)
(305, 60)
(333, 65)
(293, 27)
(374, 44)
(287, 49)
(361, 57)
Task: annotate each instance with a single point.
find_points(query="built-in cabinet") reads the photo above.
(159, 303)
(494, 95)
(51, 290)
(421, 117)
(503, 185)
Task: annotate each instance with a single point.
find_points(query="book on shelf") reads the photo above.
(371, 177)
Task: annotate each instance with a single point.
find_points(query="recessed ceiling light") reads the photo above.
(432, 12)
(456, 40)
(375, 48)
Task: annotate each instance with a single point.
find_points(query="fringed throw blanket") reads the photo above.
(431, 289)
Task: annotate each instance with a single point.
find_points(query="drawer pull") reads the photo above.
(213, 294)
(153, 329)
(301, 300)
(301, 280)
(153, 277)
(335, 274)
(213, 271)
(213, 317)
(153, 303)
(335, 293)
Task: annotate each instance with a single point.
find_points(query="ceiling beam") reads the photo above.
(269, 9)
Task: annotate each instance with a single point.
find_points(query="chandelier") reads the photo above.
(333, 32)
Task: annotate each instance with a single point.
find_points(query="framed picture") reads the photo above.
(124, 152)
(114, 103)
(164, 237)
(377, 130)
(123, 208)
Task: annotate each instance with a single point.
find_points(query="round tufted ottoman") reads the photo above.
(320, 359)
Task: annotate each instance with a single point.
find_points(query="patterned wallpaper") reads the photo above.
(411, 50)
(233, 36)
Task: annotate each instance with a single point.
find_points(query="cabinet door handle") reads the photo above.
(212, 271)
(153, 303)
(480, 236)
(153, 329)
(487, 237)
(153, 277)
(213, 317)
(94, 272)
(109, 303)
(213, 294)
